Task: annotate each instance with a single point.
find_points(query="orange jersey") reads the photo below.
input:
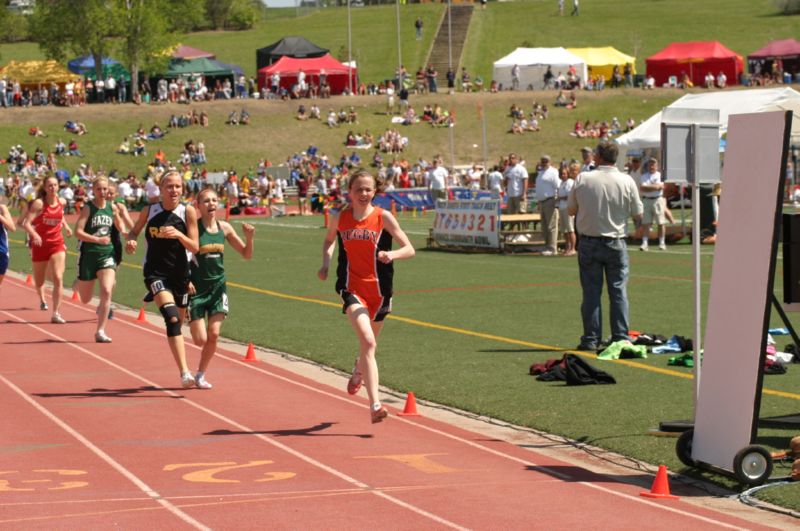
(359, 272)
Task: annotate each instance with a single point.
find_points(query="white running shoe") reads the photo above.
(187, 380)
(662, 246)
(644, 247)
(101, 337)
(42, 305)
(200, 381)
(57, 319)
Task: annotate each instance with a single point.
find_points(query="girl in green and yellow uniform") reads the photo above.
(207, 286)
(96, 260)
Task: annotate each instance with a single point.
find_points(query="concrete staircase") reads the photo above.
(439, 56)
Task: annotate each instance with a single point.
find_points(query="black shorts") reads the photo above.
(179, 289)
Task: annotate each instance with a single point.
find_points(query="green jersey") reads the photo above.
(207, 267)
(99, 223)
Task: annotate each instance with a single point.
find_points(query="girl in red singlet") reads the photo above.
(43, 224)
(364, 275)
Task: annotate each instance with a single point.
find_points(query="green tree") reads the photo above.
(185, 15)
(145, 37)
(74, 26)
(218, 12)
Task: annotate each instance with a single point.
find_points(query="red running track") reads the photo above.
(101, 435)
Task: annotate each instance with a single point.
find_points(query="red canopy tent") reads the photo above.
(696, 59)
(776, 57)
(188, 53)
(288, 68)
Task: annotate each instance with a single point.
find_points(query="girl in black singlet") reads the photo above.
(170, 233)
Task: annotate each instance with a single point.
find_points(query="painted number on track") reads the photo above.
(39, 479)
(209, 472)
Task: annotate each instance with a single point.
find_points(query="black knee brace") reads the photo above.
(172, 318)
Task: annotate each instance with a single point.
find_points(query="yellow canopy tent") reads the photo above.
(37, 72)
(601, 61)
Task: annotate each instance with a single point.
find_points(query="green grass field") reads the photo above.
(466, 327)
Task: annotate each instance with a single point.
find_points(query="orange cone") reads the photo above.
(410, 410)
(75, 296)
(29, 280)
(141, 318)
(660, 488)
(251, 354)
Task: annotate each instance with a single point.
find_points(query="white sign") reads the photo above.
(467, 223)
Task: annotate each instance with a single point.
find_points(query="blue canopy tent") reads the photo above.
(84, 66)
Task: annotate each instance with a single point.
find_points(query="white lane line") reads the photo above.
(303, 457)
(528, 463)
(130, 476)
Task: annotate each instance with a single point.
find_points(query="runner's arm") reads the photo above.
(27, 224)
(328, 246)
(6, 219)
(244, 248)
(405, 251)
(141, 221)
(64, 223)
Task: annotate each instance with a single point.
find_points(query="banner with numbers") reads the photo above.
(467, 223)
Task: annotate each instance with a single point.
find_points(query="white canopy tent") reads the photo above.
(648, 134)
(533, 63)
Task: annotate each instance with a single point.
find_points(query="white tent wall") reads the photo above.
(533, 63)
(648, 134)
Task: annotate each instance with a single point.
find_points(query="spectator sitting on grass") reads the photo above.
(233, 119)
(561, 99)
(301, 113)
(124, 147)
(352, 115)
(73, 149)
(314, 112)
(332, 119)
(77, 128)
(244, 117)
(156, 133)
(410, 116)
(139, 148)
(60, 147)
(35, 131)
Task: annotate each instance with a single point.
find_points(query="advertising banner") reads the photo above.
(467, 223)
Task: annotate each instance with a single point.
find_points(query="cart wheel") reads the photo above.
(684, 448)
(752, 465)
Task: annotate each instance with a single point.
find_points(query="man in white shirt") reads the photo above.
(547, 183)
(652, 190)
(474, 177)
(494, 182)
(603, 200)
(515, 181)
(437, 179)
(722, 80)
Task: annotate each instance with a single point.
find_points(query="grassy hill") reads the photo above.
(636, 27)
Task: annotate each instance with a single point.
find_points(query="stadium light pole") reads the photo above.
(399, 51)
(450, 67)
(349, 50)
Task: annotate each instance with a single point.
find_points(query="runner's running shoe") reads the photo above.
(200, 381)
(187, 380)
(57, 319)
(354, 383)
(379, 414)
(101, 337)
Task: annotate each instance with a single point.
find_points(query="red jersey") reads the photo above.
(359, 272)
(47, 224)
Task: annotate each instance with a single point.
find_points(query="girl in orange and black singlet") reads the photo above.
(364, 275)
